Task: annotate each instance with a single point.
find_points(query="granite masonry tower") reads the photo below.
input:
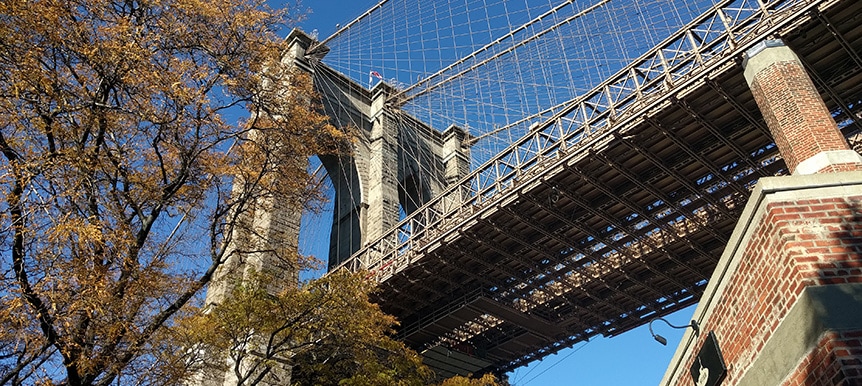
(397, 164)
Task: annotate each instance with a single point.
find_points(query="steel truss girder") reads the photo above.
(641, 214)
(499, 266)
(598, 261)
(556, 262)
(558, 277)
(660, 196)
(685, 106)
(586, 309)
(624, 251)
(621, 227)
(754, 122)
(597, 113)
(439, 312)
(695, 191)
(713, 169)
(838, 36)
(411, 294)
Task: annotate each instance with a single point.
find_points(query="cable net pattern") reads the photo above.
(497, 67)
(710, 41)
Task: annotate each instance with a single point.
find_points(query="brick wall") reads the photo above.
(775, 302)
(845, 167)
(795, 113)
(795, 244)
(834, 361)
(799, 121)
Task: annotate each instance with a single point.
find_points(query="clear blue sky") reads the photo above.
(633, 358)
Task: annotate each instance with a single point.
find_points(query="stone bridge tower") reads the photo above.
(397, 164)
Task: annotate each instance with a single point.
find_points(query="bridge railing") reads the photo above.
(709, 43)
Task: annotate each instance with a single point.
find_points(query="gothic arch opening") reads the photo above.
(346, 234)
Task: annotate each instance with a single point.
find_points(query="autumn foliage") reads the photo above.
(129, 180)
(120, 141)
(322, 332)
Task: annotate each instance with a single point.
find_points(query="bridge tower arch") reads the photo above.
(397, 164)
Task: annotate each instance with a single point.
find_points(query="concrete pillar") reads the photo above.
(347, 209)
(806, 135)
(265, 238)
(397, 161)
(277, 249)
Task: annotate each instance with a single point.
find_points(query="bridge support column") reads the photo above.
(398, 163)
(265, 240)
(382, 192)
(806, 135)
(456, 154)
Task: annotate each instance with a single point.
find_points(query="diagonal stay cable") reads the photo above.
(347, 26)
(401, 97)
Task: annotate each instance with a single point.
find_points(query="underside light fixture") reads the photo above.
(694, 326)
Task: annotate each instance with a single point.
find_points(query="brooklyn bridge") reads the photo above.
(528, 177)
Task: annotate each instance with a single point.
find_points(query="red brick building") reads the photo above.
(785, 302)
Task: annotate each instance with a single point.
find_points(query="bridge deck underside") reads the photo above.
(629, 230)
